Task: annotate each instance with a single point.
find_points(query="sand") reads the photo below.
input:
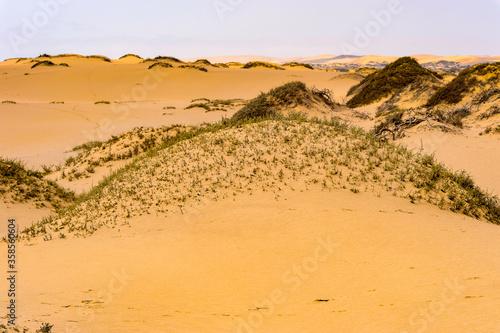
(258, 265)
(312, 261)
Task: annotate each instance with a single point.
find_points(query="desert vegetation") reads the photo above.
(160, 64)
(215, 104)
(130, 55)
(289, 96)
(384, 83)
(257, 64)
(485, 75)
(199, 68)
(19, 184)
(48, 63)
(296, 64)
(262, 150)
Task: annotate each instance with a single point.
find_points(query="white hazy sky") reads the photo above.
(279, 28)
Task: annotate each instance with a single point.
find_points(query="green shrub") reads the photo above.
(290, 94)
(387, 81)
(102, 102)
(464, 83)
(8, 102)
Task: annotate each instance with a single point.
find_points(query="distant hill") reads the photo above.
(356, 61)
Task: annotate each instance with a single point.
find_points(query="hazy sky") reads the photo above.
(279, 28)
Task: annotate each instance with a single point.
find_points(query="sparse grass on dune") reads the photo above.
(8, 102)
(257, 64)
(48, 63)
(130, 55)
(160, 64)
(102, 102)
(491, 130)
(43, 63)
(296, 64)
(169, 58)
(289, 95)
(215, 105)
(20, 184)
(466, 82)
(98, 154)
(234, 64)
(199, 68)
(384, 83)
(228, 158)
(202, 62)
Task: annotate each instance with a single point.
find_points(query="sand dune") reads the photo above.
(287, 240)
(260, 265)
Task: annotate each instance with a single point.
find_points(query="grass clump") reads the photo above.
(160, 64)
(255, 64)
(468, 79)
(296, 64)
(289, 95)
(8, 102)
(387, 81)
(102, 102)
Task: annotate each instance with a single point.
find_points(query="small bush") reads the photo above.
(45, 328)
(102, 102)
(8, 102)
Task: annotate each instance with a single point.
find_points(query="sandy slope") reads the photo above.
(259, 265)
(478, 155)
